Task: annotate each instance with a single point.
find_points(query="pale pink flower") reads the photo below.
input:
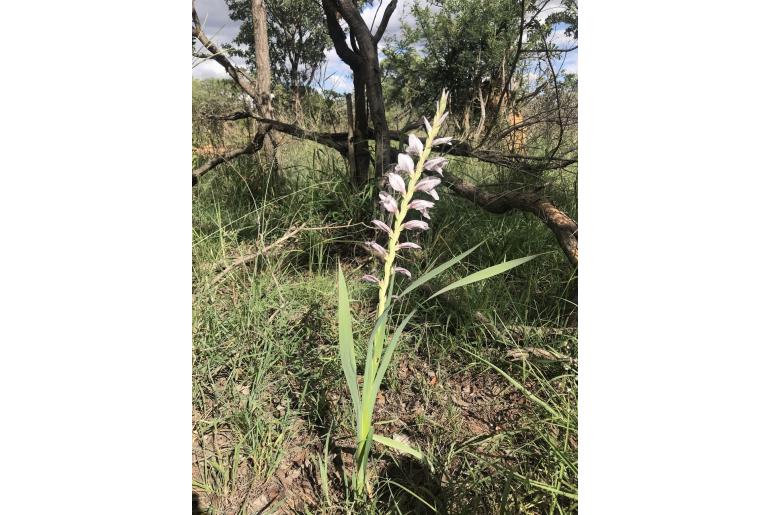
(428, 128)
(436, 164)
(397, 183)
(382, 226)
(433, 194)
(388, 202)
(370, 279)
(442, 141)
(415, 224)
(419, 205)
(408, 245)
(405, 163)
(427, 184)
(377, 248)
(422, 206)
(403, 271)
(415, 145)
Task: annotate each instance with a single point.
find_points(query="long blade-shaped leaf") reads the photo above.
(346, 345)
(370, 389)
(367, 394)
(435, 271)
(399, 446)
(484, 274)
(361, 460)
(378, 331)
(388, 354)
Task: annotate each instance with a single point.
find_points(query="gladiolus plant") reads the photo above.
(405, 182)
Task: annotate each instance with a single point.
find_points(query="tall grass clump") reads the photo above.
(405, 182)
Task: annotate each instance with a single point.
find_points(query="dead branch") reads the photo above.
(218, 55)
(253, 146)
(564, 228)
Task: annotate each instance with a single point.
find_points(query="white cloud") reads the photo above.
(218, 26)
(551, 7)
(335, 74)
(208, 70)
(215, 18)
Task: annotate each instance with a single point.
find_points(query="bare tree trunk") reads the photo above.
(377, 111)
(262, 73)
(360, 134)
(295, 87)
(351, 133)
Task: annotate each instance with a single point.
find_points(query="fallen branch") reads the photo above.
(251, 257)
(564, 228)
(514, 161)
(252, 147)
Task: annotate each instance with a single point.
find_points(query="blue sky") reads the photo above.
(336, 75)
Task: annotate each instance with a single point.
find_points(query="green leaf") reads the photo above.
(435, 271)
(346, 345)
(362, 458)
(484, 274)
(388, 354)
(399, 446)
(369, 394)
(547, 488)
(372, 387)
(377, 332)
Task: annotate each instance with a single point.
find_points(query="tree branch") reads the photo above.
(252, 147)
(385, 19)
(338, 36)
(564, 228)
(217, 54)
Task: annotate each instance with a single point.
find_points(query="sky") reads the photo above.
(336, 76)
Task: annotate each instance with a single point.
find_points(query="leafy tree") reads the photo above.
(483, 51)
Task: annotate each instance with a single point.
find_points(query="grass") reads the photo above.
(271, 424)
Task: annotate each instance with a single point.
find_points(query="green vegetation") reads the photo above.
(302, 401)
(271, 411)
